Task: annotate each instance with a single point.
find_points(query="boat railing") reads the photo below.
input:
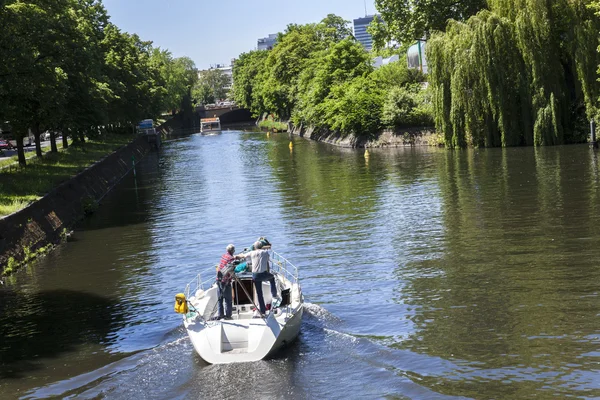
(196, 284)
(277, 262)
(283, 266)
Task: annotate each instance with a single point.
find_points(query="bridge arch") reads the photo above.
(227, 115)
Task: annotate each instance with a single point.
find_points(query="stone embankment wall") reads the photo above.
(45, 221)
(388, 138)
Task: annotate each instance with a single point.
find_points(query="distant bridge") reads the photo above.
(190, 122)
(227, 114)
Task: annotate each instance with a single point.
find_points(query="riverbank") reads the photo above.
(21, 186)
(418, 136)
(44, 222)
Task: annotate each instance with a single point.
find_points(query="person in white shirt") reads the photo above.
(260, 273)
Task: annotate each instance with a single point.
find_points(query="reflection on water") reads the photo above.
(429, 274)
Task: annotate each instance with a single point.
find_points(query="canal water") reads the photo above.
(428, 274)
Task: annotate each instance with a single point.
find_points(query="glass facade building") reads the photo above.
(360, 31)
(415, 56)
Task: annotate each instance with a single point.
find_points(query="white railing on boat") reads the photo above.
(281, 265)
(277, 263)
(197, 283)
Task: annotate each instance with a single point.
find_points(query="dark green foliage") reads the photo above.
(515, 75)
(66, 67)
(408, 20)
(407, 107)
(319, 75)
(248, 72)
(397, 74)
(342, 63)
(354, 107)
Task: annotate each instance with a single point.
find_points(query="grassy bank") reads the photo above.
(271, 125)
(13, 160)
(20, 186)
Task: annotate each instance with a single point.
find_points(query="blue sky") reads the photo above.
(215, 31)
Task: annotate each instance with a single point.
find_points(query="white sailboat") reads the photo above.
(243, 338)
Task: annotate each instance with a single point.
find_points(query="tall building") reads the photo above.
(267, 43)
(360, 31)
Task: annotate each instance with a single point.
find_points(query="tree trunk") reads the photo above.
(75, 136)
(53, 147)
(38, 142)
(65, 140)
(21, 151)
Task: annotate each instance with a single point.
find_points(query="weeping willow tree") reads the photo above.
(521, 73)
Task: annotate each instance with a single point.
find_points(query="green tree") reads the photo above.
(409, 20)
(407, 107)
(540, 90)
(87, 93)
(334, 28)
(354, 107)
(178, 76)
(397, 74)
(31, 75)
(285, 63)
(318, 75)
(342, 62)
(211, 86)
(66, 67)
(137, 88)
(294, 53)
(248, 75)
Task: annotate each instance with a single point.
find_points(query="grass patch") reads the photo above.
(19, 186)
(270, 125)
(14, 205)
(30, 154)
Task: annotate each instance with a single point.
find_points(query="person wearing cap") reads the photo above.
(224, 289)
(260, 273)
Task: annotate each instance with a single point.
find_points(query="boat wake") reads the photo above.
(327, 344)
(173, 369)
(315, 311)
(89, 385)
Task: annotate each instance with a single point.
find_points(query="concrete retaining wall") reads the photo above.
(44, 221)
(388, 138)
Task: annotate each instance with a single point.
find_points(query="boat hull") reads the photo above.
(242, 338)
(223, 342)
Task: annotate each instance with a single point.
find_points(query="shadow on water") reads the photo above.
(49, 323)
(130, 202)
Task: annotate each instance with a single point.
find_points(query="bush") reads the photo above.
(354, 107)
(397, 74)
(404, 107)
(270, 125)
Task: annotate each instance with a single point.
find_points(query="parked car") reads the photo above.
(5, 145)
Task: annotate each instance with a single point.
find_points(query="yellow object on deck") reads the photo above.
(181, 306)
